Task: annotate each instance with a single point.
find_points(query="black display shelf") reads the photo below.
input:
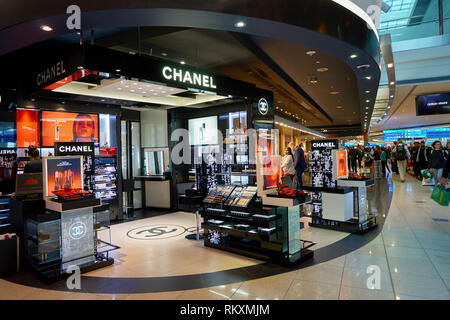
(258, 232)
(350, 226)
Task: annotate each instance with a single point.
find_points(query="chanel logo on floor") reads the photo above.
(156, 232)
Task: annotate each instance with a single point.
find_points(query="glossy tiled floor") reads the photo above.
(412, 253)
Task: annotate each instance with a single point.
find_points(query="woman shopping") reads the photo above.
(438, 160)
(287, 168)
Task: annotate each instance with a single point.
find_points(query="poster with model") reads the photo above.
(68, 127)
(28, 132)
(203, 131)
(62, 173)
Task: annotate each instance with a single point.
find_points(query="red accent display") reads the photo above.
(108, 151)
(74, 77)
(28, 132)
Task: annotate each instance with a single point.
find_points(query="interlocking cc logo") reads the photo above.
(156, 232)
(263, 106)
(77, 230)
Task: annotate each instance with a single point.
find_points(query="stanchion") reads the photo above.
(197, 236)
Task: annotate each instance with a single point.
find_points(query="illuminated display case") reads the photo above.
(43, 241)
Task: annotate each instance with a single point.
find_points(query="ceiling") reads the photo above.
(403, 110)
(221, 52)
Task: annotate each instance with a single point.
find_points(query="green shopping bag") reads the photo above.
(427, 174)
(441, 195)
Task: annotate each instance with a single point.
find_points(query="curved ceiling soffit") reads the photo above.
(318, 24)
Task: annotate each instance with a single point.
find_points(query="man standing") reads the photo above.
(300, 165)
(422, 158)
(415, 162)
(401, 153)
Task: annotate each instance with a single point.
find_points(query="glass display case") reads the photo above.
(43, 241)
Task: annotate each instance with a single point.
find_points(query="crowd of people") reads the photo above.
(293, 165)
(397, 159)
(401, 157)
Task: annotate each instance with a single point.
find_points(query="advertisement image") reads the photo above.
(27, 128)
(68, 127)
(203, 131)
(63, 173)
(271, 169)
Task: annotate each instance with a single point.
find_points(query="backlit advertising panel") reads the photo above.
(28, 132)
(68, 127)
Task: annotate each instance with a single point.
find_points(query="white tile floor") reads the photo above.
(412, 252)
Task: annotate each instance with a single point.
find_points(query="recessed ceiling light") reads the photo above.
(368, 91)
(392, 96)
(131, 52)
(324, 69)
(392, 83)
(311, 53)
(118, 70)
(182, 62)
(164, 54)
(334, 92)
(353, 56)
(390, 65)
(240, 24)
(368, 77)
(367, 101)
(46, 28)
(339, 107)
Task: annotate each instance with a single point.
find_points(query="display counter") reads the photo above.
(53, 240)
(157, 189)
(235, 220)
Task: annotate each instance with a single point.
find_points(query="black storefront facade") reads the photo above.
(29, 90)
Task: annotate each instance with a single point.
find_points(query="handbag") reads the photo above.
(441, 195)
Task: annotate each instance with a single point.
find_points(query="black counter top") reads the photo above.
(151, 178)
(341, 190)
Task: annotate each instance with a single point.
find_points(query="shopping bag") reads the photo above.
(445, 197)
(428, 182)
(441, 195)
(427, 174)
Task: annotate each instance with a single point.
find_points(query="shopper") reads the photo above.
(401, 153)
(287, 167)
(299, 165)
(35, 163)
(414, 161)
(393, 160)
(353, 155)
(447, 147)
(438, 160)
(360, 156)
(383, 158)
(421, 159)
(446, 172)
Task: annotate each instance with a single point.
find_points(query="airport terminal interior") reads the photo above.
(225, 150)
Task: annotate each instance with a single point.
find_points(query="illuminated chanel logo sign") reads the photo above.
(263, 106)
(186, 77)
(77, 230)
